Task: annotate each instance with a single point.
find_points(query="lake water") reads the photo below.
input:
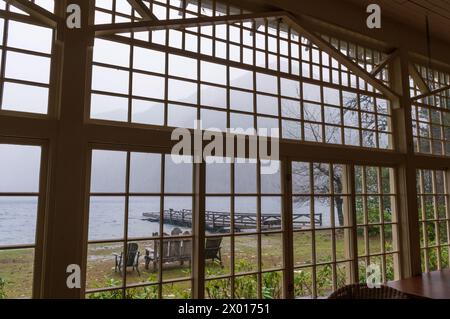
(17, 220)
(18, 215)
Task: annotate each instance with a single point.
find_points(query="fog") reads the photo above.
(19, 167)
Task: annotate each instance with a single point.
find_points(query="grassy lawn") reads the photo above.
(16, 265)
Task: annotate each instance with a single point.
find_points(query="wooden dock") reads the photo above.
(221, 221)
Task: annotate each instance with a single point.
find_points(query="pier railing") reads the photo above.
(221, 221)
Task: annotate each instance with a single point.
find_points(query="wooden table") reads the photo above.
(434, 285)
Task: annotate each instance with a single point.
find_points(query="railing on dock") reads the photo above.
(221, 221)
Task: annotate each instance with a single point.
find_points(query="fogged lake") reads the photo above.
(18, 215)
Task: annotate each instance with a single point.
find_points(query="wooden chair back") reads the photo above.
(212, 247)
(132, 250)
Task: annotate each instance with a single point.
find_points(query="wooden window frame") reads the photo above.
(42, 196)
(68, 135)
(126, 239)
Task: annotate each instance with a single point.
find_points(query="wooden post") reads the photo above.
(447, 204)
(288, 241)
(68, 184)
(351, 235)
(198, 257)
(406, 171)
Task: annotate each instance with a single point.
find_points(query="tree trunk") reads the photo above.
(339, 202)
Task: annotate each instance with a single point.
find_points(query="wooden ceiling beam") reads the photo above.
(4, 14)
(38, 13)
(113, 28)
(418, 80)
(388, 59)
(340, 57)
(435, 92)
(143, 10)
(109, 29)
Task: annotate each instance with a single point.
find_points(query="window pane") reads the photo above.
(25, 98)
(178, 174)
(182, 67)
(242, 101)
(109, 80)
(266, 83)
(241, 78)
(19, 168)
(145, 173)
(213, 120)
(19, 173)
(331, 96)
(29, 37)
(148, 86)
(107, 107)
(138, 226)
(213, 96)
(110, 52)
(108, 171)
(182, 116)
(17, 272)
(214, 73)
(149, 60)
(267, 104)
(146, 112)
(240, 121)
(19, 217)
(106, 218)
(311, 92)
(27, 67)
(100, 273)
(218, 177)
(290, 88)
(182, 91)
(245, 178)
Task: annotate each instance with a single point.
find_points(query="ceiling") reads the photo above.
(413, 13)
(405, 21)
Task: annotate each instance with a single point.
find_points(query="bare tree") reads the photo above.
(313, 128)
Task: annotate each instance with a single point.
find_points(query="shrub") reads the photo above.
(272, 286)
(433, 259)
(373, 215)
(303, 283)
(218, 289)
(113, 294)
(245, 287)
(2, 288)
(148, 292)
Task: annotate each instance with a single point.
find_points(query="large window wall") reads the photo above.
(25, 50)
(433, 201)
(21, 217)
(377, 221)
(322, 224)
(26, 62)
(260, 76)
(244, 210)
(245, 227)
(133, 198)
(431, 115)
(324, 255)
(328, 217)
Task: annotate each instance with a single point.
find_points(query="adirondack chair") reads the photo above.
(186, 251)
(213, 247)
(180, 250)
(176, 231)
(132, 258)
(171, 252)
